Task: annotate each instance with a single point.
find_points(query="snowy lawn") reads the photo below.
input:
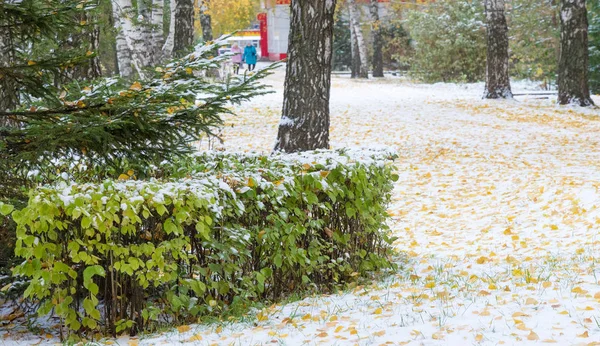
(497, 208)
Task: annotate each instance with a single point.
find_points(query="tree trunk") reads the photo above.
(130, 35)
(206, 21)
(573, 65)
(167, 49)
(377, 40)
(497, 81)
(362, 48)
(158, 39)
(184, 26)
(355, 57)
(304, 123)
(94, 69)
(9, 91)
(141, 36)
(122, 49)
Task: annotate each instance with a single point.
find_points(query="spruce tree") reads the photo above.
(50, 123)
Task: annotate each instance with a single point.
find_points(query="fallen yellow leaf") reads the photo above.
(532, 336)
(584, 335)
(136, 86)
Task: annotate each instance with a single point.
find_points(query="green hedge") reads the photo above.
(131, 255)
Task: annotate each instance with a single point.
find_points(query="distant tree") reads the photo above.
(227, 16)
(354, 55)
(123, 51)
(354, 14)
(574, 54)
(342, 54)
(184, 26)
(304, 122)
(497, 81)
(449, 41)
(206, 20)
(534, 40)
(376, 32)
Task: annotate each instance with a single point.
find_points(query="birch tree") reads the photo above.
(573, 63)
(206, 20)
(355, 57)
(497, 81)
(158, 38)
(377, 39)
(304, 122)
(167, 49)
(362, 48)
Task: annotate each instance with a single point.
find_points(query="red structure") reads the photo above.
(264, 40)
(275, 27)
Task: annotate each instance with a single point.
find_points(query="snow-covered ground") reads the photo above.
(497, 208)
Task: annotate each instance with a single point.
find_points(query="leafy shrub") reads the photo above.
(449, 41)
(130, 255)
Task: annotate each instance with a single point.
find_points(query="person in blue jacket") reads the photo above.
(250, 56)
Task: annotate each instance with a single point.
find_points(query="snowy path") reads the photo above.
(497, 207)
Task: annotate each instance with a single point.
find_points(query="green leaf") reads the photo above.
(6, 209)
(278, 260)
(89, 272)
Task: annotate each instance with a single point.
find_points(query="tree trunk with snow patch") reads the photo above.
(573, 64)
(305, 120)
(497, 81)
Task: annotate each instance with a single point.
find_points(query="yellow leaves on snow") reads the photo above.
(184, 328)
(579, 290)
(136, 86)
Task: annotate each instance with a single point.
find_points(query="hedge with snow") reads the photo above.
(222, 229)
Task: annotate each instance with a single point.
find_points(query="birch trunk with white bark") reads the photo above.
(362, 48)
(158, 39)
(167, 49)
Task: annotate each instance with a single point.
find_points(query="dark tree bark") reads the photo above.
(573, 65)
(497, 81)
(377, 40)
(9, 91)
(184, 26)
(305, 120)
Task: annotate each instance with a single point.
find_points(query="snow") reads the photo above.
(496, 210)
